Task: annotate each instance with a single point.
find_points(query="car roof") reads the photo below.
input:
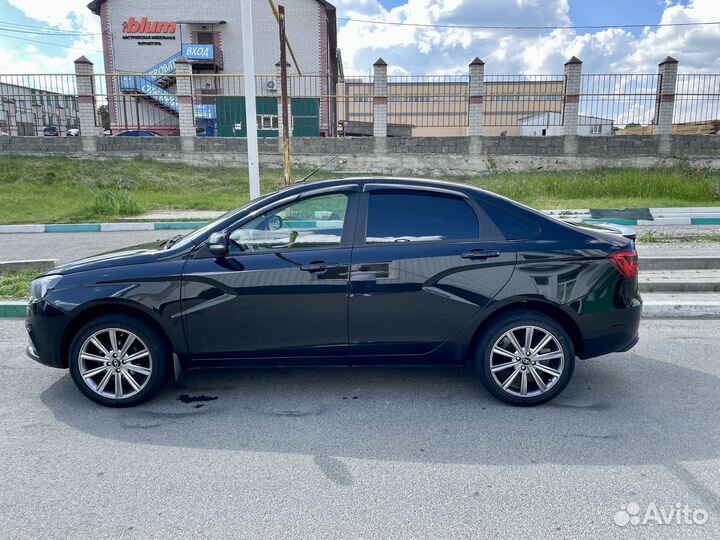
(399, 180)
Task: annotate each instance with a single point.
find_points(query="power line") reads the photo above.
(52, 33)
(501, 27)
(17, 27)
(49, 43)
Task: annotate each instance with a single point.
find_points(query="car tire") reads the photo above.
(114, 350)
(535, 373)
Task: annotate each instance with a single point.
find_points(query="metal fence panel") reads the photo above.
(523, 100)
(618, 98)
(697, 98)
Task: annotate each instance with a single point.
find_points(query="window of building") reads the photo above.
(205, 38)
(268, 121)
(407, 216)
(596, 129)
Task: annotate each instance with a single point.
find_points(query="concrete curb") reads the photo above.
(190, 225)
(38, 265)
(679, 263)
(669, 309)
(12, 309)
(661, 216)
(100, 227)
(658, 221)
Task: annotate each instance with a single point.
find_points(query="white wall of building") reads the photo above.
(303, 28)
(546, 124)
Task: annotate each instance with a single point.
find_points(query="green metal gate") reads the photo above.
(231, 116)
(306, 117)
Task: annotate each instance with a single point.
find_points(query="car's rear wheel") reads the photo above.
(118, 361)
(525, 358)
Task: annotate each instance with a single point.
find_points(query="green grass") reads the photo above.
(64, 190)
(607, 188)
(16, 286)
(649, 237)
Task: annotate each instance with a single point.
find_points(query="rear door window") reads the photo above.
(512, 226)
(396, 216)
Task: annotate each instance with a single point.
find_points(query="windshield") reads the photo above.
(198, 233)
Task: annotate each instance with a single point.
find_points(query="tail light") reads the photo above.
(626, 261)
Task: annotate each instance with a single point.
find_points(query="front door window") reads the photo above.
(312, 223)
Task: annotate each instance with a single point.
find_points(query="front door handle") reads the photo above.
(317, 266)
(480, 254)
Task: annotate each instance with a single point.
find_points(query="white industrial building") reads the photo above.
(549, 124)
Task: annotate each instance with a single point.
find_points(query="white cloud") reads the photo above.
(69, 15)
(419, 50)
(441, 50)
(63, 14)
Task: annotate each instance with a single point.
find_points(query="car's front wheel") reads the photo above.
(118, 361)
(525, 358)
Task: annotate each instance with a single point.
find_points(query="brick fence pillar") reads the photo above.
(85, 84)
(475, 102)
(571, 107)
(186, 110)
(476, 106)
(380, 98)
(664, 108)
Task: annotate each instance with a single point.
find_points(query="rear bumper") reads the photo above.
(609, 320)
(616, 331)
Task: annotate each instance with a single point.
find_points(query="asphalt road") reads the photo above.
(68, 247)
(366, 452)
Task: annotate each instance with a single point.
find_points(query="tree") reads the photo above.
(631, 125)
(104, 116)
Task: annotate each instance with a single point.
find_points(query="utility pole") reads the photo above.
(284, 98)
(250, 108)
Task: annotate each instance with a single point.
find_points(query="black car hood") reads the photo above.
(137, 254)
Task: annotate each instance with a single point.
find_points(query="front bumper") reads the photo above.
(46, 325)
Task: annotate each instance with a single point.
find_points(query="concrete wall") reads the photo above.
(432, 156)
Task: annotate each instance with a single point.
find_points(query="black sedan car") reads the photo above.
(352, 272)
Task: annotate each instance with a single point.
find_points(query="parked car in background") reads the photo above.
(138, 133)
(351, 272)
(73, 132)
(51, 131)
(107, 132)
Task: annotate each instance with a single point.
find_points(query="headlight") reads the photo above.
(41, 286)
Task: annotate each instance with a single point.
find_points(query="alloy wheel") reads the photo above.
(115, 363)
(526, 361)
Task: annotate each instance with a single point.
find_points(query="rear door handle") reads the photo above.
(317, 266)
(480, 254)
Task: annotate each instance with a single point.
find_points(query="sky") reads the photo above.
(70, 30)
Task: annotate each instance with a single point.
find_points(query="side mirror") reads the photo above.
(217, 244)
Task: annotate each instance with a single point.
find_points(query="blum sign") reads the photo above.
(144, 26)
